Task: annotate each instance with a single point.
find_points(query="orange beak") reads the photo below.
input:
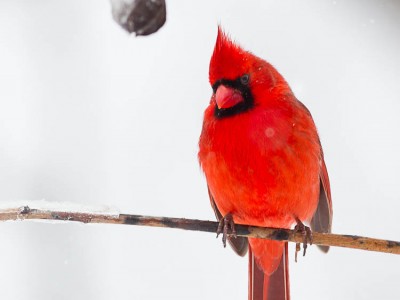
(227, 97)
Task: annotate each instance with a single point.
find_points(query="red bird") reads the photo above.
(262, 158)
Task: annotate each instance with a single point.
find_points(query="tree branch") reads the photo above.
(347, 241)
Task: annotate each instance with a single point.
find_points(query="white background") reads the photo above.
(94, 116)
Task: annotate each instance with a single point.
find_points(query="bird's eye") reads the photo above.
(245, 79)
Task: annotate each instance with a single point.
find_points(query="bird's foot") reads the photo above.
(307, 236)
(226, 226)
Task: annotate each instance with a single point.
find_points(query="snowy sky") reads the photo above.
(94, 116)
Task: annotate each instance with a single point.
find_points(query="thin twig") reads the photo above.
(347, 241)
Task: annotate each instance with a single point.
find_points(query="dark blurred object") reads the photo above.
(143, 17)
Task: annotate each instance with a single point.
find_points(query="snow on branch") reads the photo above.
(83, 214)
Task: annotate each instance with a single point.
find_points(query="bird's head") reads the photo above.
(240, 80)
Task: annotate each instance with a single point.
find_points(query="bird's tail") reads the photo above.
(270, 285)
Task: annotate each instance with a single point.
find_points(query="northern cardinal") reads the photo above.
(262, 158)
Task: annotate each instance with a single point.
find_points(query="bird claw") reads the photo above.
(226, 226)
(307, 236)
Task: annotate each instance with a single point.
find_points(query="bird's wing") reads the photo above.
(322, 219)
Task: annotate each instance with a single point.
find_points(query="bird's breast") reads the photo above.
(261, 168)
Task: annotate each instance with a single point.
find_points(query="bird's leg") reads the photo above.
(307, 236)
(226, 226)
